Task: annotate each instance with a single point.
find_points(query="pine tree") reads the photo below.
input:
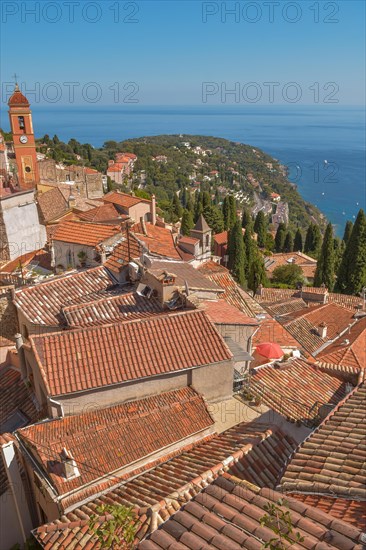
(289, 242)
(280, 237)
(260, 227)
(324, 273)
(352, 271)
(298, 241)
(347, 231)
(187, 222)
(236, 252)
(246, 218)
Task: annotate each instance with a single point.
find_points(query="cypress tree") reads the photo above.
(236, 252)
(289, 242)
(309, 239)
(233, 216)
(189, 205)
(257, 272)
(250, 247)
(177, 207)
(298, 241)
(184, 197)
(317, 241)
(280, 237)
(260, 227)
(352, 271)
(206, 199)
(187, 222)
(214, 218)
(246, 217)
(324, 273)
(226, 210)
(347, 231)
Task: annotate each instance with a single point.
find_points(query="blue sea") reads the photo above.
(323, 146)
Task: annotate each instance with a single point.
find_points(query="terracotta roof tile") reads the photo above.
(111, 310)
(88, 234)
(303, 324)
(233, 294)
(185, 273)
(284, 307)
(107, 440)
(271, 330)
(279, 294)
(123, 199)
(128, 249)
(157, 240)
(348, 352)
(227, 515)
(85, 358)
(221, 312)
(254, 452)
(296, 389)
(332, 460)
(103, 213)
(42, 303)
(350, 511)
(52, 205)
(307, 264)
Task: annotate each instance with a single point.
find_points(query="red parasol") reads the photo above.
(270, 350)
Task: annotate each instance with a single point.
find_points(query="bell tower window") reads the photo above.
(21, 122)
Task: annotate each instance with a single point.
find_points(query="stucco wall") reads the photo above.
(10, 533)
(214, 382)
(8, 314)
(21, 222)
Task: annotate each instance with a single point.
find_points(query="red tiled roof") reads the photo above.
(188, 240)
(348, 352)
(113, 354)
(254, 452)
(332, 461)
(350, 511)
(307, 264)
(52, 205)
(270, 330)
(111, 310)
(279, 294)
(123, 199)
(227, 515)
(42, 304)
(221, 238)
(233, 294)
(102, 213)
(125, 251)
(15, 395)
(284, 307)
(107, 440)
(157, 240)
(296, 389)
(185, 273)
(87, 234)
(303, 324)
(18, 99)
(42, 257)
(221, 312)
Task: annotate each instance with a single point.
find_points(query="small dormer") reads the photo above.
(69, 467)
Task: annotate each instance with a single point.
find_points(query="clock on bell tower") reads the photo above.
(23, 138)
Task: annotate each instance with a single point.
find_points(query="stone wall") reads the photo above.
(8, 314)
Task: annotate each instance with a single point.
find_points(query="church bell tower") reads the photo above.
(23, 138)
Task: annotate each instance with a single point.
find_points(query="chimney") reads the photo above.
(69, 467)
(110, 162)
(143, 226)
(71, 201)
(322, 330)
(103, 255)
(53, 255)
(153, 210)
(18, 341)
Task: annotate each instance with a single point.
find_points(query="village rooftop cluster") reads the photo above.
(135, 372)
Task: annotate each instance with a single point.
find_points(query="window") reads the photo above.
(21, 122)
(28, 169)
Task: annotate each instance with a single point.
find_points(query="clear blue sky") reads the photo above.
(170, 51)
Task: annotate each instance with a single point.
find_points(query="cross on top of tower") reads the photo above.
(15, 76)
